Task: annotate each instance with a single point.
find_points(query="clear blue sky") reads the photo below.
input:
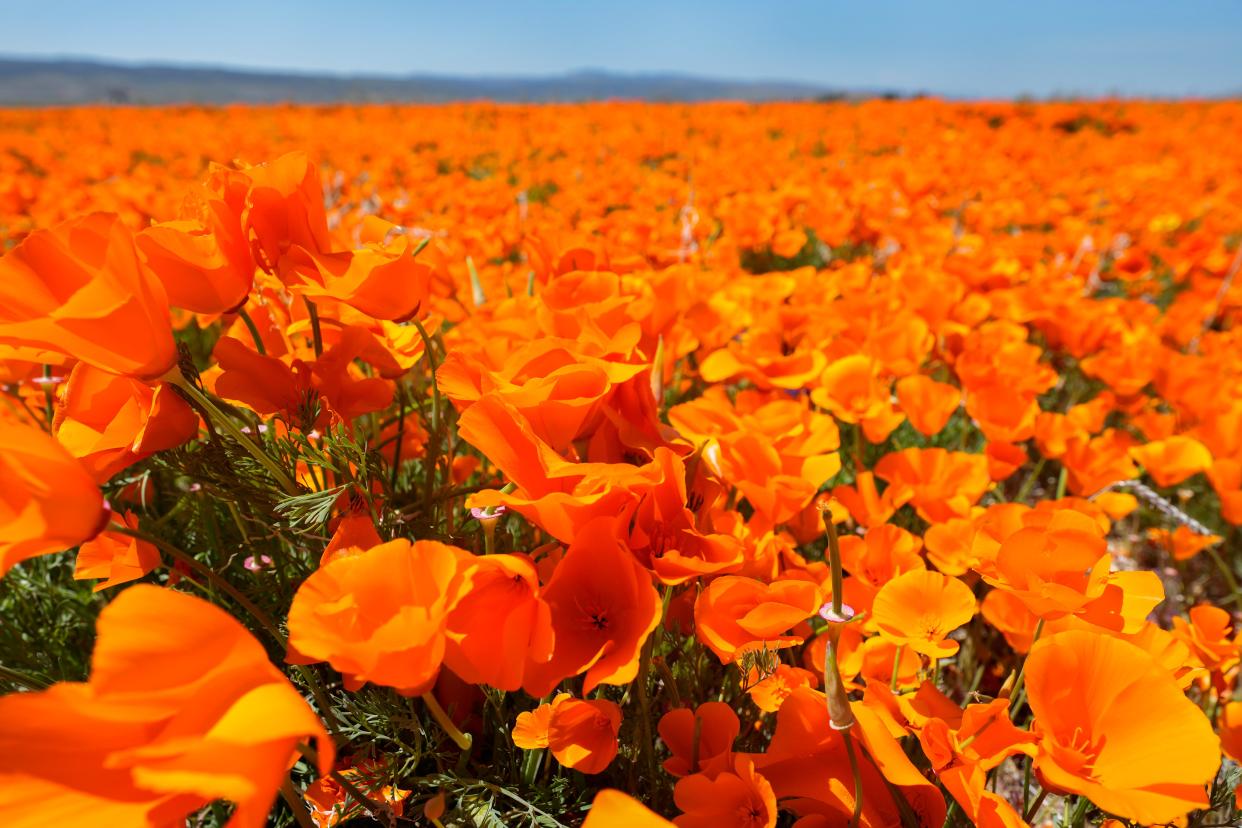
(956, 47)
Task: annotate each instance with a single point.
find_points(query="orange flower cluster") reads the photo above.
(828, 465)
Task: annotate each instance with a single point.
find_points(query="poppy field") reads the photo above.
(718, 465)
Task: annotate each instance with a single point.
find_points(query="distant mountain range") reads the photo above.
(29, 81)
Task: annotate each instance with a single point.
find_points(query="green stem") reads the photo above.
(858, 790)
(644, 706)
(437, 409)
(463, 740)
(1225, 571)
(278, 474)
(1016, 696)
(254, 331)
(1034, 809)
(892, 683)
(1029, 483)
(396, 450)
(834, 552)
(316, 333)
(530, 766)
(294, 802)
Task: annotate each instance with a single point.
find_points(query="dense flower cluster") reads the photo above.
(867, 465)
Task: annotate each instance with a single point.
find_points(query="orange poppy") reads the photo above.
(582, 734)
(920, 608)
(942, 484)
(736, 613)
(205, 268)
(809, 771)
(499, 625)
(79, 290)
(379, 616)
(48, 501)
(110, 422)
(738, 798)
(1171, 461)
(1114, 726)
(116, 557)
(613, 809)
(603, 608)
(852, 390)
(927, 404)
(769, 692)
(1183, 543)
(700, 740)
(167, 723)
(866, 505)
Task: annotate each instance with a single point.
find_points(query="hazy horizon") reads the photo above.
(971, 49)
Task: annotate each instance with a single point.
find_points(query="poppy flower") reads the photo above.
(866, 505)
(283, 209)
(79, 290)
(500, 624)
(559, 386)
(48, 501)
(116, 557)
(1062, 568)
(381, 279)
(927, 404)
(766, 359)
(852, 390)
(613, 809)
(665, 533)
(582, 734)
(733, 613)
(603, 608)
(775, 450)
(1114, 727)
(880, 555)
(205, 268)
(1209, 635)
(1182, 543)
(769, 692)
(354, 534)
(809, 771)
(1231, 730)
(166, 724)
(942, 484)
(738, 798)
(920, 608)
(110, 422)
(379, 616)
(715, 727)
(558, 495)
(1171, 461)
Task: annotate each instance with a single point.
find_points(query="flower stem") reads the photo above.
(292, 799)
(254, 331)
(202, 400)
(316, 332)
(858, 790)
(1017, 695)
(463, 740)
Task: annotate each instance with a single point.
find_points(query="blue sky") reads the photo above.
(999, 48)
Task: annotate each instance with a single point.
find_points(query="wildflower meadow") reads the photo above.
(721, 465)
